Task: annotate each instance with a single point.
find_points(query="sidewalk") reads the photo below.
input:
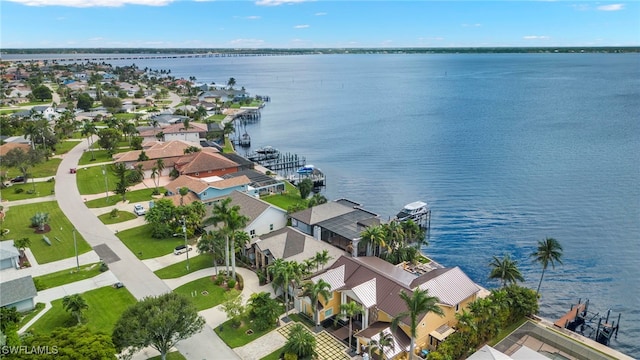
(43, 269)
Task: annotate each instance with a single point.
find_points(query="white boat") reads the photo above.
(307, 169)
(417, 211)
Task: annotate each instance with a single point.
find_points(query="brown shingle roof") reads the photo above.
(178, 128)
(5, 148)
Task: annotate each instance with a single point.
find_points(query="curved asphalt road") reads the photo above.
(136, 276)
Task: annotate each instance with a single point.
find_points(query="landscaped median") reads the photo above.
(120, 216)
(66, 276)
(132, 196)
(59, 234)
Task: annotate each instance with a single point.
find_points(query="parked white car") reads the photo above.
(181, 249)
(139, 210)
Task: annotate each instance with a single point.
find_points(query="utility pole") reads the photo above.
(184, 231)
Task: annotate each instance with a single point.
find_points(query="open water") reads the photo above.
(506, 148)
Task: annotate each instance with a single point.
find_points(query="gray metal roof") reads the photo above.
(322, 212)
(351, 224)
(17, 290)
(8, 250)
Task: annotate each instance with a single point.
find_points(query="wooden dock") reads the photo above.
(571, 315)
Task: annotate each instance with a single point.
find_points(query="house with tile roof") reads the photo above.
(263, 217)
(178, 131)
(376, 284)
(18, 293)
(205, 164)
(338, 222)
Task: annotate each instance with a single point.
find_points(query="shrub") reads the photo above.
(114, 213)
(290, 356)
(104, 267)
(231, 283)
(219, 279)
(18, 190)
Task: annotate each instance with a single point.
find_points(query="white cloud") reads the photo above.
(612, 7)
(96, 39)
(320, 14)
(92, 3)
(247, 42)
(253, 17)
(471, 25)
(301, 26)
(279, 2)
(535, 37)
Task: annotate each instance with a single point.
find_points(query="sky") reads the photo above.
(316, 23)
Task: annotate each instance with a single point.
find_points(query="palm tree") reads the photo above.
(322, 258)
(236, 222)
(467, 326)
(154, 175)
(373, 237)
(220, 212)
(549, 251)
(76, 305)
(505, 269)
(385, 340)
(284, 273)
(418, 304)
(210, 243)
(183, 192)
(350, 310)
(160, 166)
(301, 342)
(313, 291)
(395, 235)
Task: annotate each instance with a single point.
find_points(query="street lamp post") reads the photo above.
(106, 182)
(184, 231)
(75, 246)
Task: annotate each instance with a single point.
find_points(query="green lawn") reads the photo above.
(506, 331)
(99, 155)
(133, 197)
(67, 276)
(90, 180)
(216, 118)
(140, 242)
(274, 355)
(43, 170)
(204, 294)
(197, 262)
(31, 314)
(42, 189)
(170, 356)
(18, 221)
(105, 307)
(63, 147)
(122, 216)
(236, 337)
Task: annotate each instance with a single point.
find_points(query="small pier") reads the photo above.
(592, 325)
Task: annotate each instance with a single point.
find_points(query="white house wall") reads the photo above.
(261, 225)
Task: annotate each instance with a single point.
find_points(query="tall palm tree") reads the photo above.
(220, 212)
(467, 326)
(374, 238)
(385, 340)
(284, 273)
(418, 304)
(154, 175)
(160, 166)
(549, 251)
(395, 235)
(76, 305)
(350, 310)
(183, 192)
(313, 291)
(505, 269)
(236, 222)
(88, 130)
(322, 258)
(211, 242)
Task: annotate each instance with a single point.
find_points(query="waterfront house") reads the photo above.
(261, 184)
(338, 222)
(376, 284)
(207, 189)
(178, 131)
(205, 164)
(289, 244)
(169, 152)
(263, 217)
(18, 293)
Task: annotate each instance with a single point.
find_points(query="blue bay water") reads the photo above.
(507, 149)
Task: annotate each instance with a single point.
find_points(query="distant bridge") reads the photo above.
(113, 57)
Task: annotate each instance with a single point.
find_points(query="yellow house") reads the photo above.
(376, 284)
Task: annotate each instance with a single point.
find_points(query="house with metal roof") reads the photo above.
(260, 184)
(338, 222)
(376, 285)
(18, 293)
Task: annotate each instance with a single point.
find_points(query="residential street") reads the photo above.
(136, 276)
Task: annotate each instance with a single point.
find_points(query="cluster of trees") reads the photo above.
(167, 219)
(395, 241)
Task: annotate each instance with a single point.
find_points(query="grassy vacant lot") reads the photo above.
(140, 242)
(197, 262)
(68, 276)
(122, 216)
(105, 307)
(63, 147)
(236, 337)
(43, 170)
(91, 181)
(42, 189)
(18, 221)
(99, 155)
(133, 197)
(207, 294)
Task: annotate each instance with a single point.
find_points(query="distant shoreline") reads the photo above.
(319, 51)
